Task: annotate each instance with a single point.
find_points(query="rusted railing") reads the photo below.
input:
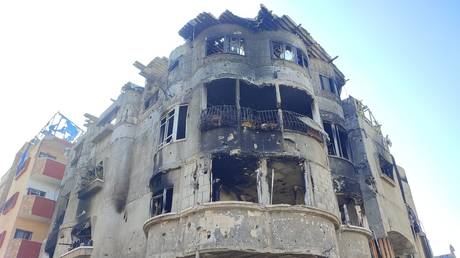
(223, 116)
(268, 120)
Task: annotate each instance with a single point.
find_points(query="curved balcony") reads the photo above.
(225, 228)
(345, 179)
(356, 237)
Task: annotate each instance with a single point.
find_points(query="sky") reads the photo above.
(402, 58)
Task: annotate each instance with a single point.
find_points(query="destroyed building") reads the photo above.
(238, 145)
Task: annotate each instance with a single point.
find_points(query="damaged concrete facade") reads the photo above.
(238, 146)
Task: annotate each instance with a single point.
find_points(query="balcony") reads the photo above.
(92, 182)
(22, 248)
(48, 170)
(37, 208)
(223, 227)
(259, 120)
(79, 252)
(357, 237)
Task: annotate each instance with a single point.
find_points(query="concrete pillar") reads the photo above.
(263, 189)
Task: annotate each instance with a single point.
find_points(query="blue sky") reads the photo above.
(401, 57)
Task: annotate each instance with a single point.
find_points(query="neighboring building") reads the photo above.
(238, 146)
(451, 255)
(28, 193)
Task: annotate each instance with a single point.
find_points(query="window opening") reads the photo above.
(302, 59)
(33, 191)
(173, 125)
(225, 44)
(46, 155)
(284, 51)
(386, 167)
(9, 204)
(286, 179)
(22, 234)
(161, 202)
(234, 178)
(296, 100)
(328, 84)
(151, 100)
(338, 140)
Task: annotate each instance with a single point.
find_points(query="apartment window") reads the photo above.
(173, 125)
(9, 204)
(22, 234)
(328, 84)
(302, 59)
(151, 100)
(225, 44)
(338, 140)
(386, 167)
(283, 51)
(161, 202)
(45, 155)
(33, 191)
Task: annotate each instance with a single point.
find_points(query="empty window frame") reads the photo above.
(161, 202)
(351, 213)
(225, 44)
(173, 125)
(338, 140)
(283, 51)
(386, 167)
(33, 191)
(22, 234)
(234, 178)
(81, 235)
(286, 179)
(302, 59)
(328, 84)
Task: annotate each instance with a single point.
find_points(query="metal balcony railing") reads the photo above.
(225, 116)
(295, 121)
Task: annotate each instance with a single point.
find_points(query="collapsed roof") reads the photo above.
(264, 21)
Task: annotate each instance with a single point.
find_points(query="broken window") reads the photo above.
(302, 59)
(173, 64)
(337, 144)
(328, 84)
(234, 178)
(22, 234)
(286, 179)
(162, 194)
(283, 51)
(386, 167)
(161, 202)
(81, 235)
(173, 125)
(225, 44)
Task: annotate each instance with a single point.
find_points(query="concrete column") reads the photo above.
(309, 198)
(263, 189)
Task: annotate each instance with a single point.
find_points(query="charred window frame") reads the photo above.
(173, 125)
(329, 84)
(386, 167)
(22, 234)
(302, 59)
(81, 234)
(234, 178)
(161, 202)
(230, 44)
(337, 144)
(283, 51)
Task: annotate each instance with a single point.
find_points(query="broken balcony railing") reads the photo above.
(265, 120)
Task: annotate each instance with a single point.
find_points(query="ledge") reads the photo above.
(91, 188)
(356, 229)
(242, 205)
(81, 251)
